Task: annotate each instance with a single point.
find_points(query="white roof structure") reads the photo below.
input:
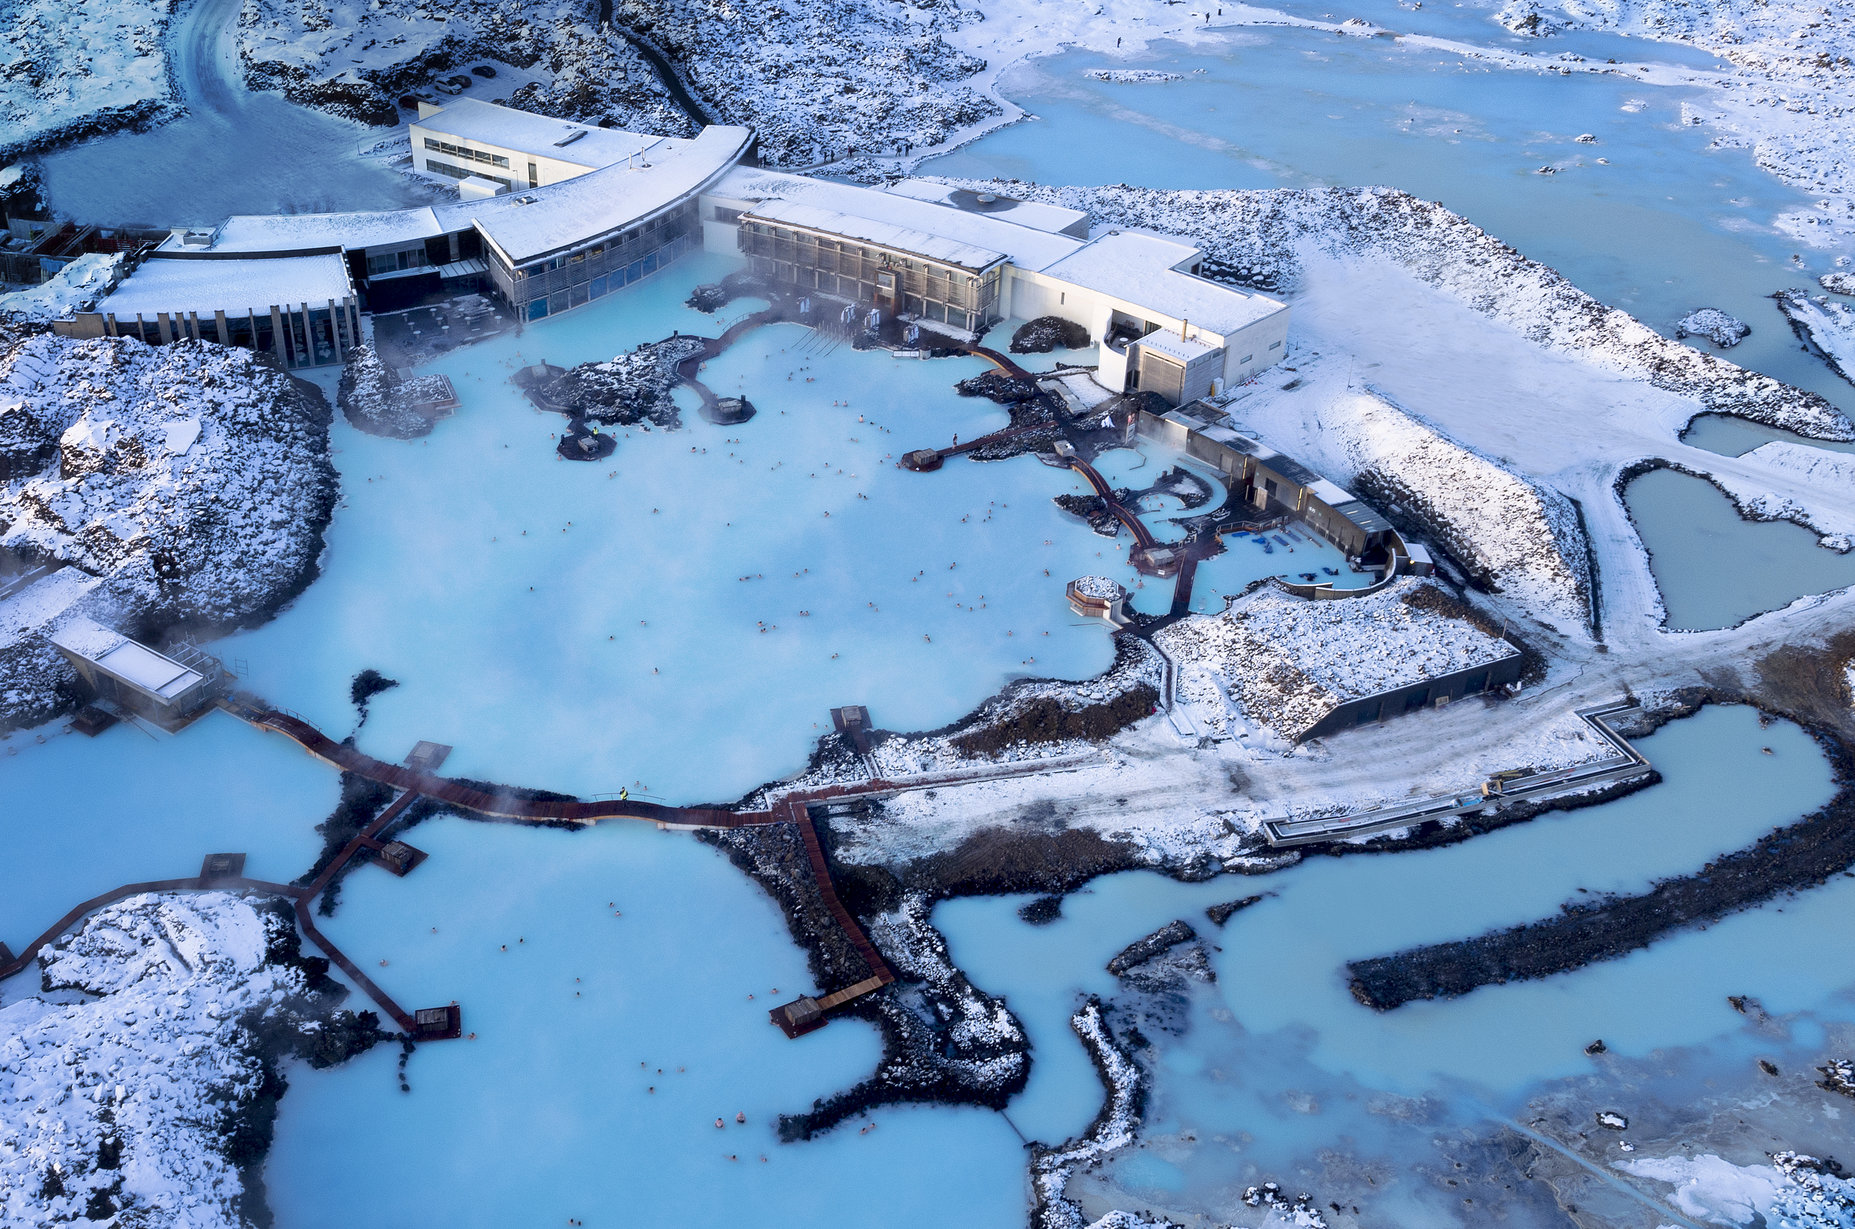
(1025, 246)
(525, 224)
(205, 285)
(1140, 270)
(1054, 219)
(534, 222)
(587, 145)
(1185, 349)
(887, 234)
(294, 232)
(120, 657)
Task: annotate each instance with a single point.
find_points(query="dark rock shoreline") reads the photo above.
(1789, 859)
(312, 1027)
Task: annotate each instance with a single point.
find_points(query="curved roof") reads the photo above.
(536, 222)
(525, 225)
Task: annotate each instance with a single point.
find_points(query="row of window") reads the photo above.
(464, 151)
(393, 262)
(856, 291)
(647, 231)
(457, 172)
(818, 244)
(599, 287)
(253, 331)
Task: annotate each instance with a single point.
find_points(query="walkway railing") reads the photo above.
(1627, 764)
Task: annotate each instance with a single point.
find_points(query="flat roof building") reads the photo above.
(132, 676)
(301, 308)
(599, 212)
(517, 149)
(966, 260)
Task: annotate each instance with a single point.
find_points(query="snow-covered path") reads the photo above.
(203, 56)
(1564, 421)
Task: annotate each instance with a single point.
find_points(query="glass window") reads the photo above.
(599, 286)
(537, 309)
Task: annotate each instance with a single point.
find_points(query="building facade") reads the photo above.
(302, 309)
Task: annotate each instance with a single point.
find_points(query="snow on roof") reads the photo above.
(1139, 269)
(1173, 346)
(126, 659)
(1025, 246)
(297, 231)
(180, 284)
(535, 222)
(42, 601)
(86, 638)
(884, 234)
(485, 123)
(1034, 214)
(1290, 660)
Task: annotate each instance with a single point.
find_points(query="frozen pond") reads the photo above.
(234, 151)
(587, 627)
(1734, 437)
(1282, 1058)
(1667, 226)
(547, 1114)
(1715, 568)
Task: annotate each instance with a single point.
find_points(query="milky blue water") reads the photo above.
(1713, 567)
(1280, 1032)
(1670, 224)
(1734, 437)
(1291, 552)
(637, 659)
(84, 816)
(547, 1113)
(605, 603)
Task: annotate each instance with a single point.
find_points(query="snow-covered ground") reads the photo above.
(75, 287)
(192, 477)
(1829, 325)
(1517, 535)
(69, 70)
(1824, 471)
(126, 1083)
(1795, 1192)
(358, 57)
(1286, 662)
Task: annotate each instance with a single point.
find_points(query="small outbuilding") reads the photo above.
(168, 690)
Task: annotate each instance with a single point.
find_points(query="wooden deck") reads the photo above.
(301, 897)
(789, 808)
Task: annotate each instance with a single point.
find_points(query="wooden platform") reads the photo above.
(400, 858)
(92, 721)
(427, 756)
(222, 866)
(437, 1023)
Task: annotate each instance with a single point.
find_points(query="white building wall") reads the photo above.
(1259, 346)
(548, 170)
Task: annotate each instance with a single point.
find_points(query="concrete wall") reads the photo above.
(1256, 347)
(548, 170)
(1449, 687)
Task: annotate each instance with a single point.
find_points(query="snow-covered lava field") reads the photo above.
(1125, 936)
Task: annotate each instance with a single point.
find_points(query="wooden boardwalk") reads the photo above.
(413, 783)
(301, 897)
(500, 805)
(1143, 537)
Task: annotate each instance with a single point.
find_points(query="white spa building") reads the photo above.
(554, 214)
